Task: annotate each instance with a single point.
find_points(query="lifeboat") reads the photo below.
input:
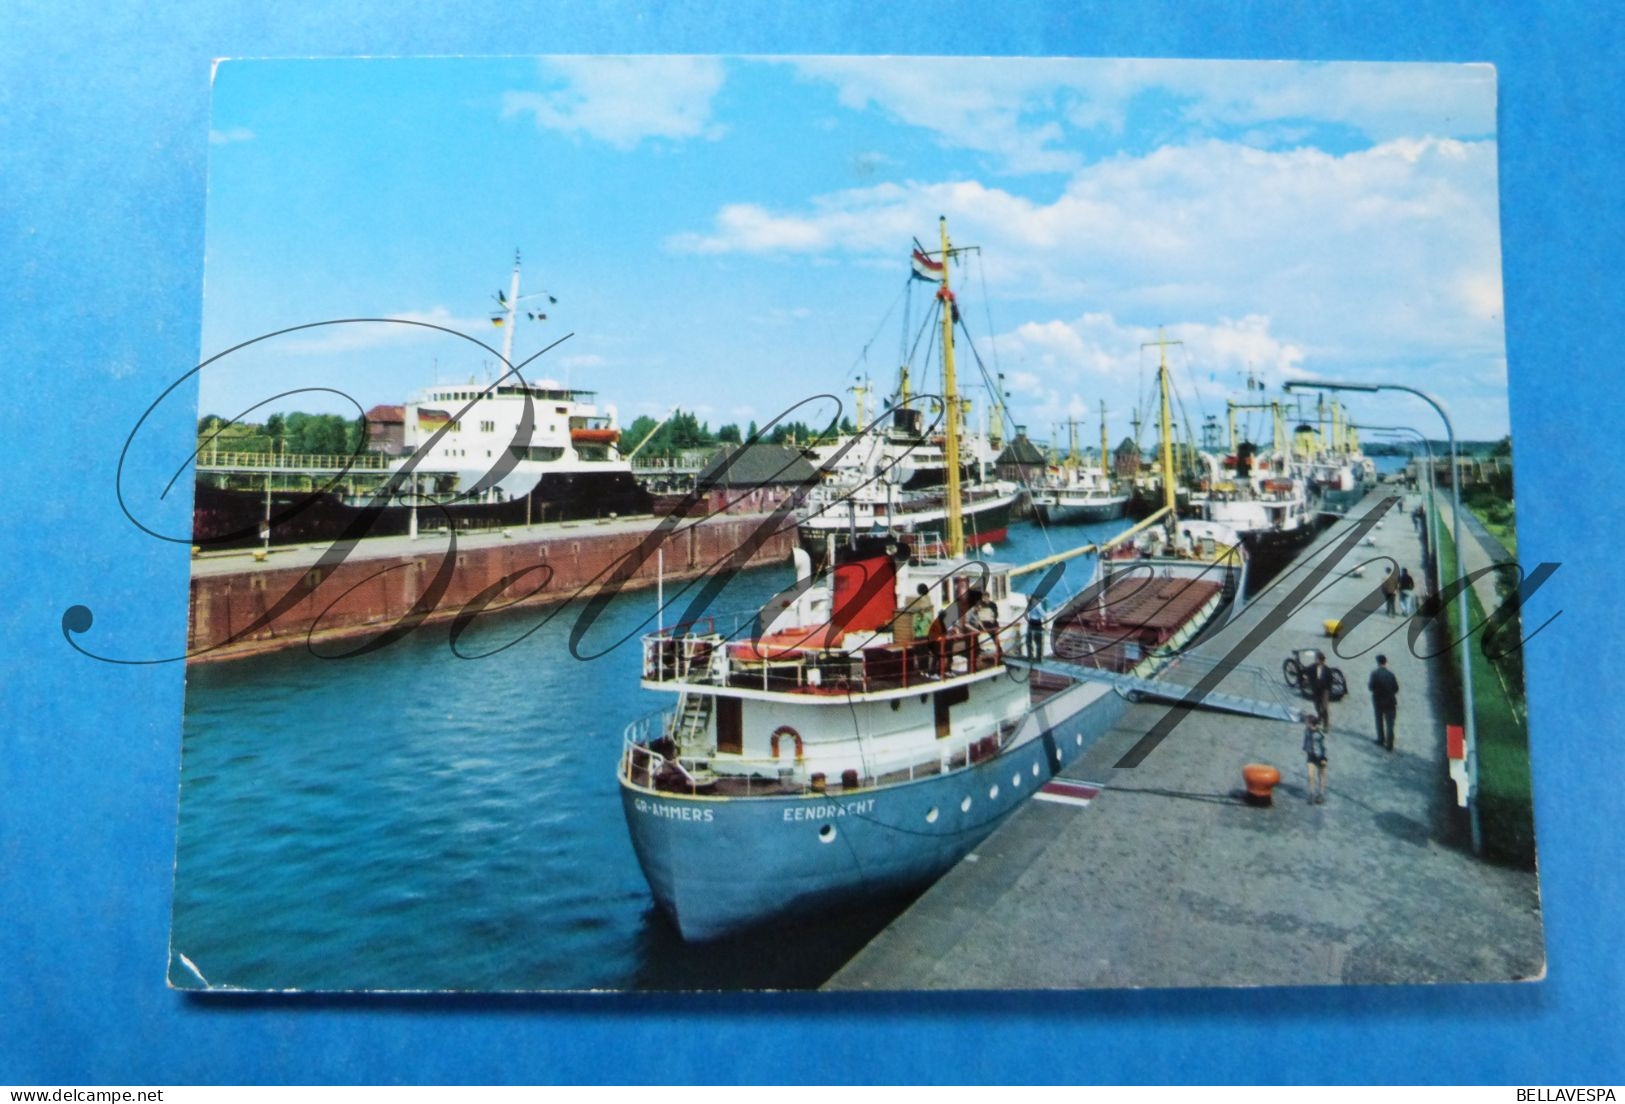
(594, 436)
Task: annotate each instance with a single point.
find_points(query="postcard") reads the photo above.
(878, 523)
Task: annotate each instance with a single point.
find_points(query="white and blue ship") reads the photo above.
(839, 754)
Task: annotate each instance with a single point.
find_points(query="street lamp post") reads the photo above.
(1427, 447)
(1464, 616)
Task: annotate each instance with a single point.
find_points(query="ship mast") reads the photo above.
(1105, 457)
(513, 316)
(950, 403)
(507, 315)
(1169, 498)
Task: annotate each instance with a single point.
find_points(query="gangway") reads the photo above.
(1267, 700)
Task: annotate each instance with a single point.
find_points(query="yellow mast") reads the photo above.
(1282, 443)
(950, 395)
(1230, 405)
(861, 390)
(902, 388)
(1072, 443)
(1169, 497)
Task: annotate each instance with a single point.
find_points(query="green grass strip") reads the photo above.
(1505, 791)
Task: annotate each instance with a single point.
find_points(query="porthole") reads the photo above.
(964, 806)
(827, 833)
(896, 705)
(993, 791)
(1035, 769)
(1015, 780)
(1079, 739)
(1058, 759)
(931, 815)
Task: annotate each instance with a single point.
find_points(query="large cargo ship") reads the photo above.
(469, 462)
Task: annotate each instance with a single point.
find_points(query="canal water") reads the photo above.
(409, 819)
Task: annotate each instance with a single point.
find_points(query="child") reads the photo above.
(1314, 750)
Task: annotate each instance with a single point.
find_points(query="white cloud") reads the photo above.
(1066, 367)
(781, 316)
(1013, 108)
(1383, 253)
(624, 100)
(353, 336)
(984, 112)
(231, 134)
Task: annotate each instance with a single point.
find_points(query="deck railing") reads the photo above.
(789, 774)
(293, 461)
(708, 658)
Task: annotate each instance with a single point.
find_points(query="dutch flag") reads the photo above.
(927, 269)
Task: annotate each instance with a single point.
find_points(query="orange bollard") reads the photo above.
(1261, 780)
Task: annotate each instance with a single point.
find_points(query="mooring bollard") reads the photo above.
(1261, 780)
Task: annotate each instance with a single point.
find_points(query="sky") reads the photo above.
(732, 235)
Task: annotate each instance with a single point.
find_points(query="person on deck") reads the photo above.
(983, 618)
(919, 609)
(1390, 591)
(1035, 628)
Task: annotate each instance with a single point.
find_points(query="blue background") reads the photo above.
(103, 147)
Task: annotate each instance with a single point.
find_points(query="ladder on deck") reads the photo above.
(692, 718)
(1274, 709)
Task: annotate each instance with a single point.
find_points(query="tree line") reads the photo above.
(684, 430)
(296, 432)
(331, 434)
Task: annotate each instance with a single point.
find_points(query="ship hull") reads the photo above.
(225, 518)
(1271, 550)
(717, 866)
(1337, 501)
(1147, 501)
(1075, 513)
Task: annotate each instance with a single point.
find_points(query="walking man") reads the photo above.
(1384, 701)
(1390, 590)
(1320, 688)
(1407, 595)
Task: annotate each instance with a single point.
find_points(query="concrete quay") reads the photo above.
(1168, 879)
